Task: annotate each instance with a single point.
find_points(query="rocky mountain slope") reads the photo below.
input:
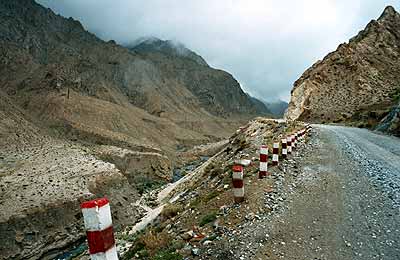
(261, 106)
(358, 82)
(83, 118)
(277, 108)
(170, 48)
(62, 74)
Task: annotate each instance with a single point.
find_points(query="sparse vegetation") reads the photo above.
(210, 217)
(167, 255)
(144, 184)
(154, 245)
(154, 241)
(171, 210)
(395, 96)
(211, 195)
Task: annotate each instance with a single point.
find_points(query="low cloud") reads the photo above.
(265, 44)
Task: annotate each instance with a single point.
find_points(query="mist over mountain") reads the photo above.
(277, 107)
(168, 47)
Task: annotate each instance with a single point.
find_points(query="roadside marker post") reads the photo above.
(284, 148)
(289, 144)
(99, 229)
(263, 162)
(275, 154)
(293, 142)
(238, 184)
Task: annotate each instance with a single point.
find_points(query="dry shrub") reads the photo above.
(154, 241)
(170, 211)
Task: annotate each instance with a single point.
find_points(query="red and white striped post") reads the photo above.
(308, 128)
(275, 154)
(238, 184)
(263, 162)
(289, 144)
(99, 229)
(284, 148)
(293, 142)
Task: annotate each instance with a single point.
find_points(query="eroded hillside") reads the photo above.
(359, 82)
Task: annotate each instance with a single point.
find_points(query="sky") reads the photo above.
(265, 44)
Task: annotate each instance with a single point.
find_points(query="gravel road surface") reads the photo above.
(347, 206)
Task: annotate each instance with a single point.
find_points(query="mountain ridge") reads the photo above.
(168, 47)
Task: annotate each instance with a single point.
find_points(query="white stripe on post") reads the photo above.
(289, 144)
(99, 229)
(263, 162)
(284, 148)
(238, 184)
(275, 154)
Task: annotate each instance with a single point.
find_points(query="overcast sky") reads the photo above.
(265, 44)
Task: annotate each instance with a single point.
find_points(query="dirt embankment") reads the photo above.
(204, 213)
(41, 188)
(336, 197)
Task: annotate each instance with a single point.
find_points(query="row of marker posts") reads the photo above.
(288, 144)
(97, 213)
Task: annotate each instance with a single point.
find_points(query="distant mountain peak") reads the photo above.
(146, 40)
(168, 47)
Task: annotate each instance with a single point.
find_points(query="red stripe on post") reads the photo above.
(94, 203)
(100, 241)
(237, 168)
(263, 157)
(237, 183)
(238, 199)
(275, 150)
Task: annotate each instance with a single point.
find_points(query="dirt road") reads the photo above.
(347, 204)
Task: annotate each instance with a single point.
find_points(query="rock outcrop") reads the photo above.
(391, 122)
(357, 81)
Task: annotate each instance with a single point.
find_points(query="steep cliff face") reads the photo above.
(355, 82)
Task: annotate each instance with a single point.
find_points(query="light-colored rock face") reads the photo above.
(359, 76)
(136, 165)
(299, 100)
